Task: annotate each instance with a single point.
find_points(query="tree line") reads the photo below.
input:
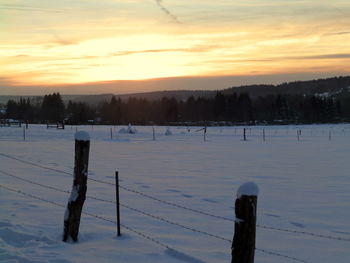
(232, 108)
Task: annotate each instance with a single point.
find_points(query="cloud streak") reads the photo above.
(28, 8)
(166, 11)
(194, 49)
(276, 59)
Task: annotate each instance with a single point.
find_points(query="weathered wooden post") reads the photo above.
(243, 244)
(298, 134)
(244, 134)
(264, 134)
(154, 133)
(24, 133)
(77, 197)
(205, 133)
(117, 203)
(111, 133)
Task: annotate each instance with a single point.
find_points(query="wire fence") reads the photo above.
(156, 217)
(222, 217)
(143, 235)
(155, 241)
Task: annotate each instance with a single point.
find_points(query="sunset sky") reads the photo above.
(124, 46)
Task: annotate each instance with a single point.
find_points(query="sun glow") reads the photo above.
(135, 40)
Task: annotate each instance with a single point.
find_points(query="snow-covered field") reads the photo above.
(304, 187)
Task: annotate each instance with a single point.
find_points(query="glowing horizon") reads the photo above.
(65, 43)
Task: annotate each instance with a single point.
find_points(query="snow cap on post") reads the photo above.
(249, 189)
(82, 136)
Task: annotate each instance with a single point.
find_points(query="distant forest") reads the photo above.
(227, 109)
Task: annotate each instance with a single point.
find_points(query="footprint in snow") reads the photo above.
(173, 191)
(209, 200)
(341, 232)
(272, 215)
(109, 177)
(297, 224)
(187, 196)
(123, 237)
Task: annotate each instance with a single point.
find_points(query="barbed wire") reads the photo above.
(122, 187)
(34, 164)
(175, 224)
(123, 205)
(155, 241)
(165, 202)
(35, 183)
(181, 206)
(281, 255)
(303, 233)
(226, 218)
(97, 217)
(30, 195)
(176, 205)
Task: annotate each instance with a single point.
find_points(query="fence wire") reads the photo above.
(145, 236)
(307, 233)
(222, 217)
(34, 164)
(281, 255)
(123, 205)
(155, 241)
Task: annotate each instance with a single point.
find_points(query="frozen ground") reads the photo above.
(304, 187)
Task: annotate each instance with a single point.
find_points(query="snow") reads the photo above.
(82, 136)
(249, 188)
(305, 187)
(129, 130)
(168, 132)
(66, 214)
(123, 131)
(74, 194)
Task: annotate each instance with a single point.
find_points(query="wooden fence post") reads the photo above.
(78, 194)
(154, 133)
(117, 203)
(264, 134)
(244, 134)
(298, 134)
(243, 244)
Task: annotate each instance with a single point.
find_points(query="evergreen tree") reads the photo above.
(52, 108)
